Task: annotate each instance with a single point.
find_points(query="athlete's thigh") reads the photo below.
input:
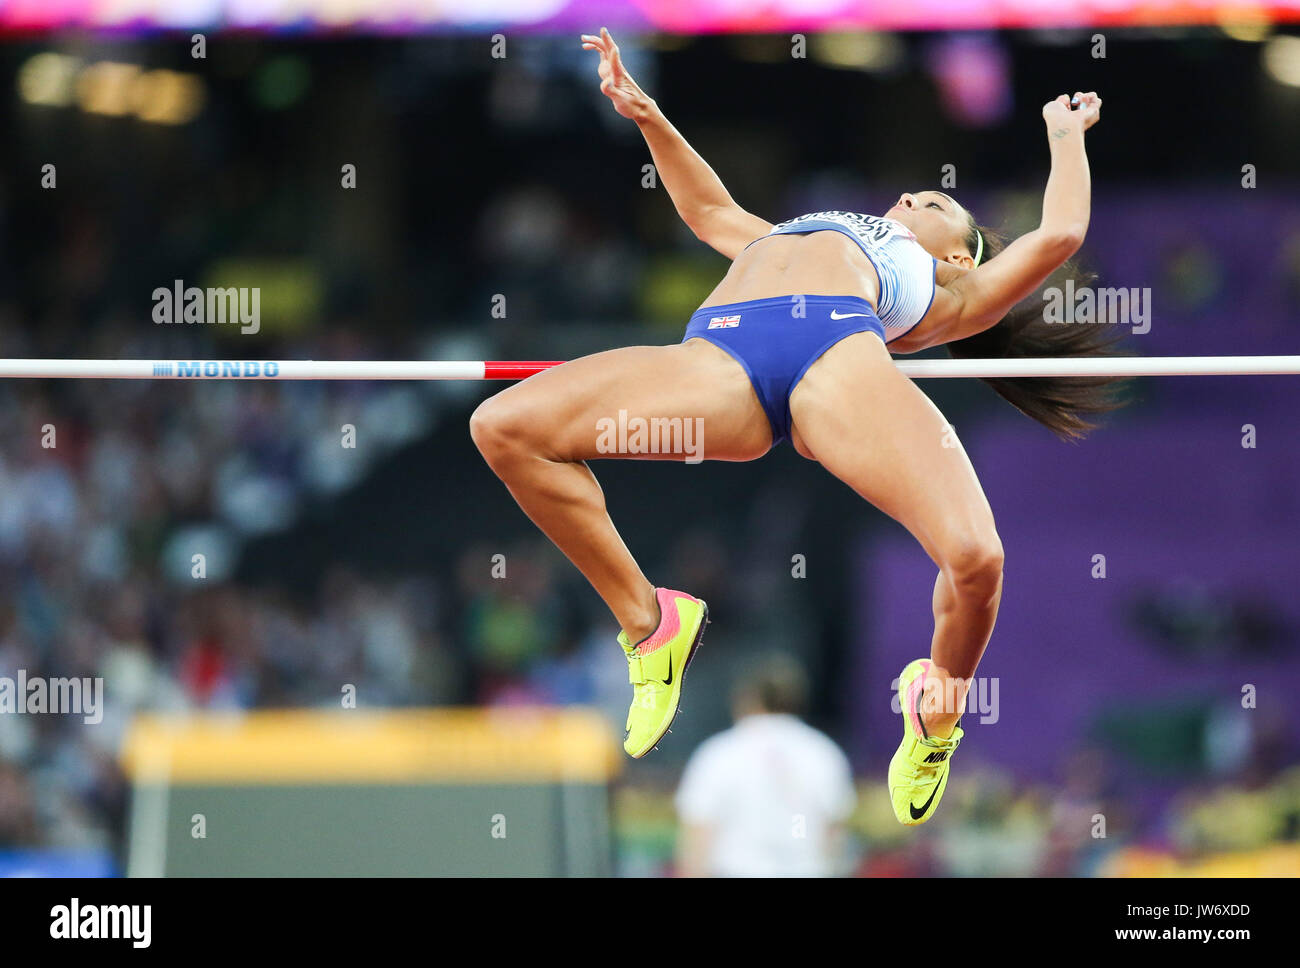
(643, 402)
(871, 427)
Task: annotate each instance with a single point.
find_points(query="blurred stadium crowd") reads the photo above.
(98, 531)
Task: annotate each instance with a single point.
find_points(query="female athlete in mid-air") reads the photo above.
(795, 342)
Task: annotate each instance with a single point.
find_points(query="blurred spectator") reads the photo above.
(17, 808)
(769, 796)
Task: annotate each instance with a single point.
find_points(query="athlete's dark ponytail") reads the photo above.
(1062, 404)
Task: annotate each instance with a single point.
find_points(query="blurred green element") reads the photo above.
(290, 293)
(505, 633)
(1167, 739)
(1231, 819)
(1193, 275)
(645, 829)
(281, 82)
(674, 286)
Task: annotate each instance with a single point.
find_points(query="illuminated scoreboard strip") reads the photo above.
(684, 16)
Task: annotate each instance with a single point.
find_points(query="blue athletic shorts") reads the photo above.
(777, 339)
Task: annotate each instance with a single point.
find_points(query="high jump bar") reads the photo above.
(1114, 366)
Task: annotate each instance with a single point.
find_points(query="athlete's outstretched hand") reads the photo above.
(1087, 109)
(615, 82)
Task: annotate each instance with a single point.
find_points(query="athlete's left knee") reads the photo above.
(973, 564)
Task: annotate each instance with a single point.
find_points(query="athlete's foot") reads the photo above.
(918, 773)
(656, 666)
(937, 728)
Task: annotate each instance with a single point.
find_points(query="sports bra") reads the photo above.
(905, 269)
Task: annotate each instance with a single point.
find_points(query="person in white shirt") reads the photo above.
(769, 796)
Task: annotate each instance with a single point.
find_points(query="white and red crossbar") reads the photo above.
(1116, 366)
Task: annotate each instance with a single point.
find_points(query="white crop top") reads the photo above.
(905, 269)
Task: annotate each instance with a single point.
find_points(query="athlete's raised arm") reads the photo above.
(699, 195)
(981, 297)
